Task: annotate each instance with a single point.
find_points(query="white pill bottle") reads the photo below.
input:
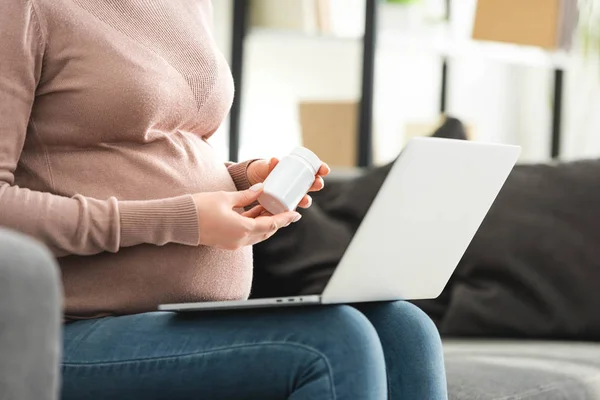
(289, 181)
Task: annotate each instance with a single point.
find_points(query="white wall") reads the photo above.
(582, 115)
(280, 71)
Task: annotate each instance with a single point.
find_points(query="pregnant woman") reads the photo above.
(106, 108)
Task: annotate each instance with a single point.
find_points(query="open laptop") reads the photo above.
(417, 229)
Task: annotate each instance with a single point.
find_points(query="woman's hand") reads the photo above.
(259, 170)
(223, 227)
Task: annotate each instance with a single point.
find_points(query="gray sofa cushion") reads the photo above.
(519, 370)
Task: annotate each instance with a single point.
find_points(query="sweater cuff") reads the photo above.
(158, 222)
(239, 174)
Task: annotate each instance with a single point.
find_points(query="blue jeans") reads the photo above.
(384, 351)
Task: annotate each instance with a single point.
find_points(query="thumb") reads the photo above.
(246, 197)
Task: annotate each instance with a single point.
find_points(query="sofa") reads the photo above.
(479, 366)
(477, 369)
(503, 356)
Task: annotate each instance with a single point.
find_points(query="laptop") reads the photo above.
(417, 229)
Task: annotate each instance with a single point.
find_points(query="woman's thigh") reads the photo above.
(412, 348)
(310, 353)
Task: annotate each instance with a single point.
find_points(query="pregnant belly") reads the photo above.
(177, 164)
(138, 279)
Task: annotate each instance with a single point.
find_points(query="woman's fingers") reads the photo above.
(324, 170)
(244, 198)
(273, 222)
(305, 202)
(265, 213)
(254, 212)
(264, 227)
(317, 185)
(272, 164)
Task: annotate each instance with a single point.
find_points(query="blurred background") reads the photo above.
(522, 72)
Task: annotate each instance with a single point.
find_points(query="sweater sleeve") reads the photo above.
(239, 173)
(77, 225)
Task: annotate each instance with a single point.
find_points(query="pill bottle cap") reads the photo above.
(310, 157)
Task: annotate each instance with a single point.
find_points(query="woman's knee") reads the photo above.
(412, 315)
(413, 347)
(404, 321)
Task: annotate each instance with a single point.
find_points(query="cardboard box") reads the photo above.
(525, 22)
(299, 15)
(329, 129)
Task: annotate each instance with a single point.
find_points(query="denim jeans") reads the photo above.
(372, 351)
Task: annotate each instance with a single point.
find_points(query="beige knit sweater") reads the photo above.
(105, 108)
